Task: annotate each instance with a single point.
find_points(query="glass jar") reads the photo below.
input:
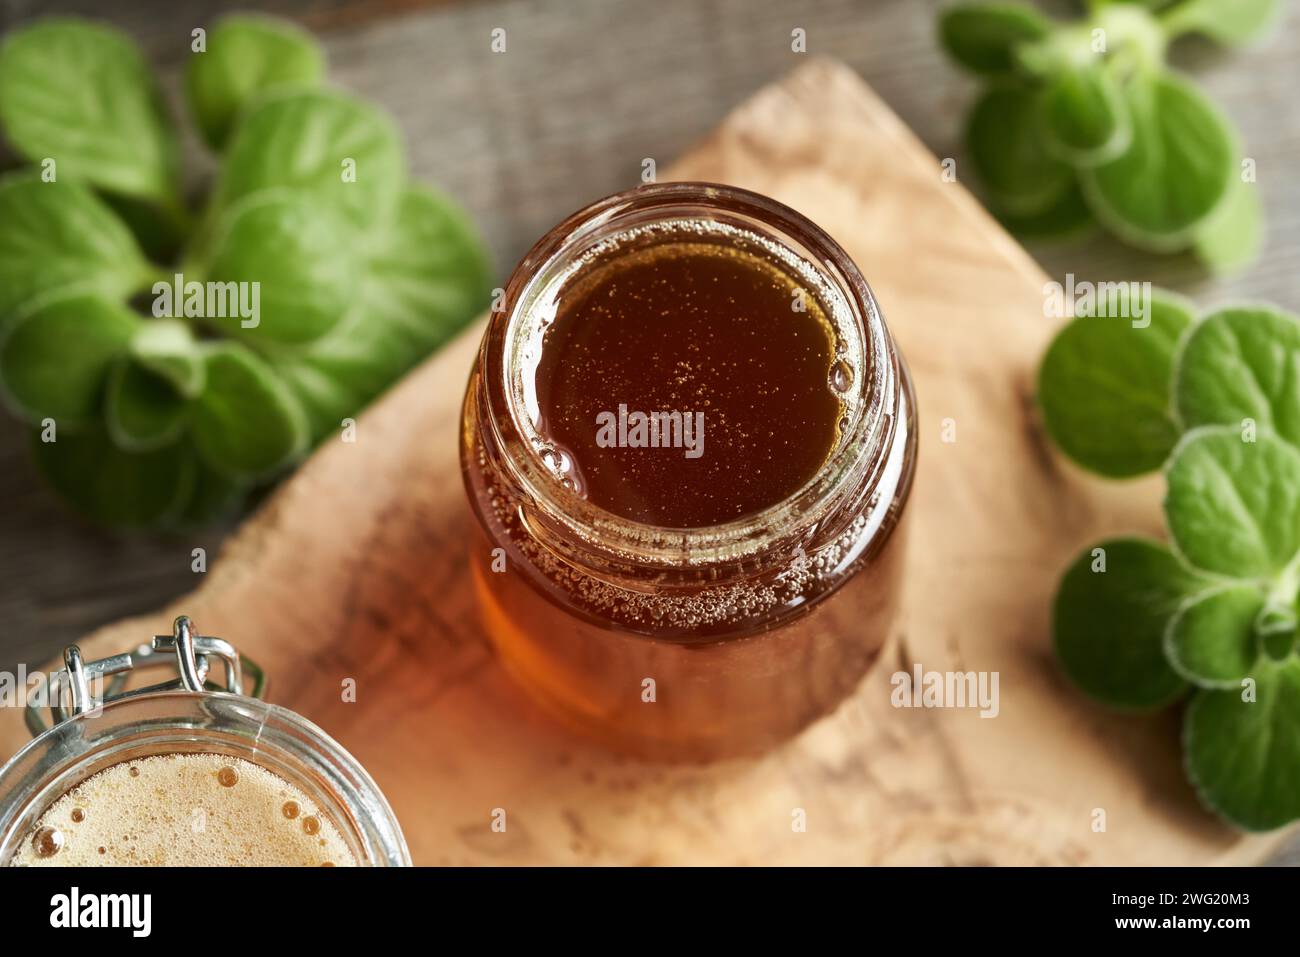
(187, 716)
(694, 643)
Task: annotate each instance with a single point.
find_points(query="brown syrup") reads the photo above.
(689, 384)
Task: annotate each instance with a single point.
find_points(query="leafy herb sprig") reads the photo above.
(1212, 616)
(167, 420)
(1084, 123)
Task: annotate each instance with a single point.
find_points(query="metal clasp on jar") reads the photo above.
(189, 653)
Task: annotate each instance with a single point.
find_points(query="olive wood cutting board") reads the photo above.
(356, 568)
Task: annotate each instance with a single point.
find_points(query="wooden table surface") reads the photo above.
(585, 92)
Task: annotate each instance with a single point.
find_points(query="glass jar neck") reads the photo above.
(607, 545)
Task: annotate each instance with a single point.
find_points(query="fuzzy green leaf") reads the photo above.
(1108, 625)
(55, 360)
(82, 95)
(1227, 21)
(1211, 640)
(1084, 116)
(298, 255)
(1242, 365)
(58, 235)
(1232, 505)
(246, 56)
(1104, 388)
(1067, 219)
(431, 274)
(1006, 143)
(1231, 239)
(1242, 748)
(1177, 169)
(142, 410)
(214, 497)
(113, 487)
(429, 277)
(245, 424)
(983, 36)
(167, 348)
(343, 152)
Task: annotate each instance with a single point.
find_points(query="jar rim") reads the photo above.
(862, 447)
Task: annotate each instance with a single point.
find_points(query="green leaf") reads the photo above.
(431, 274)
(142, 411)
(159, 230)
(983, 36)
(1104, 388)
(60, 234)
(1243, 756)
(341, 373)
(82, 95)
(1177, 170)
(246, 424)
(1132, 36)
(1069, 218)
(298, 255)
(343, 151)
(1227, 21)
(1108, 626)
(1242, 362)
(55, 360)
(1211, 640)
(1276, 625)
(247, 55)
(1005, 139)
(1035, 60)
(1084, 117)
(114, 487)
(1232, 238)
(214, 497)
(167, 348)
(428, 278)
(1233, 506)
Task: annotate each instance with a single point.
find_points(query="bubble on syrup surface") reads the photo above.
(841, 377)
(47, 841)
(555, 459)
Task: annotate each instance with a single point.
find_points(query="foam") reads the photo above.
(174, 810)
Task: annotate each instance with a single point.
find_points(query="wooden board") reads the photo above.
(356, 569)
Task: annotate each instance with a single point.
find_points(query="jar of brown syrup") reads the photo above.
(687, 443)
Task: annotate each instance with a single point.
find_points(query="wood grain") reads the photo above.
(356, 569)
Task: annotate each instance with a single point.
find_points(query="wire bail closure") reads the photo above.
(189, 653)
